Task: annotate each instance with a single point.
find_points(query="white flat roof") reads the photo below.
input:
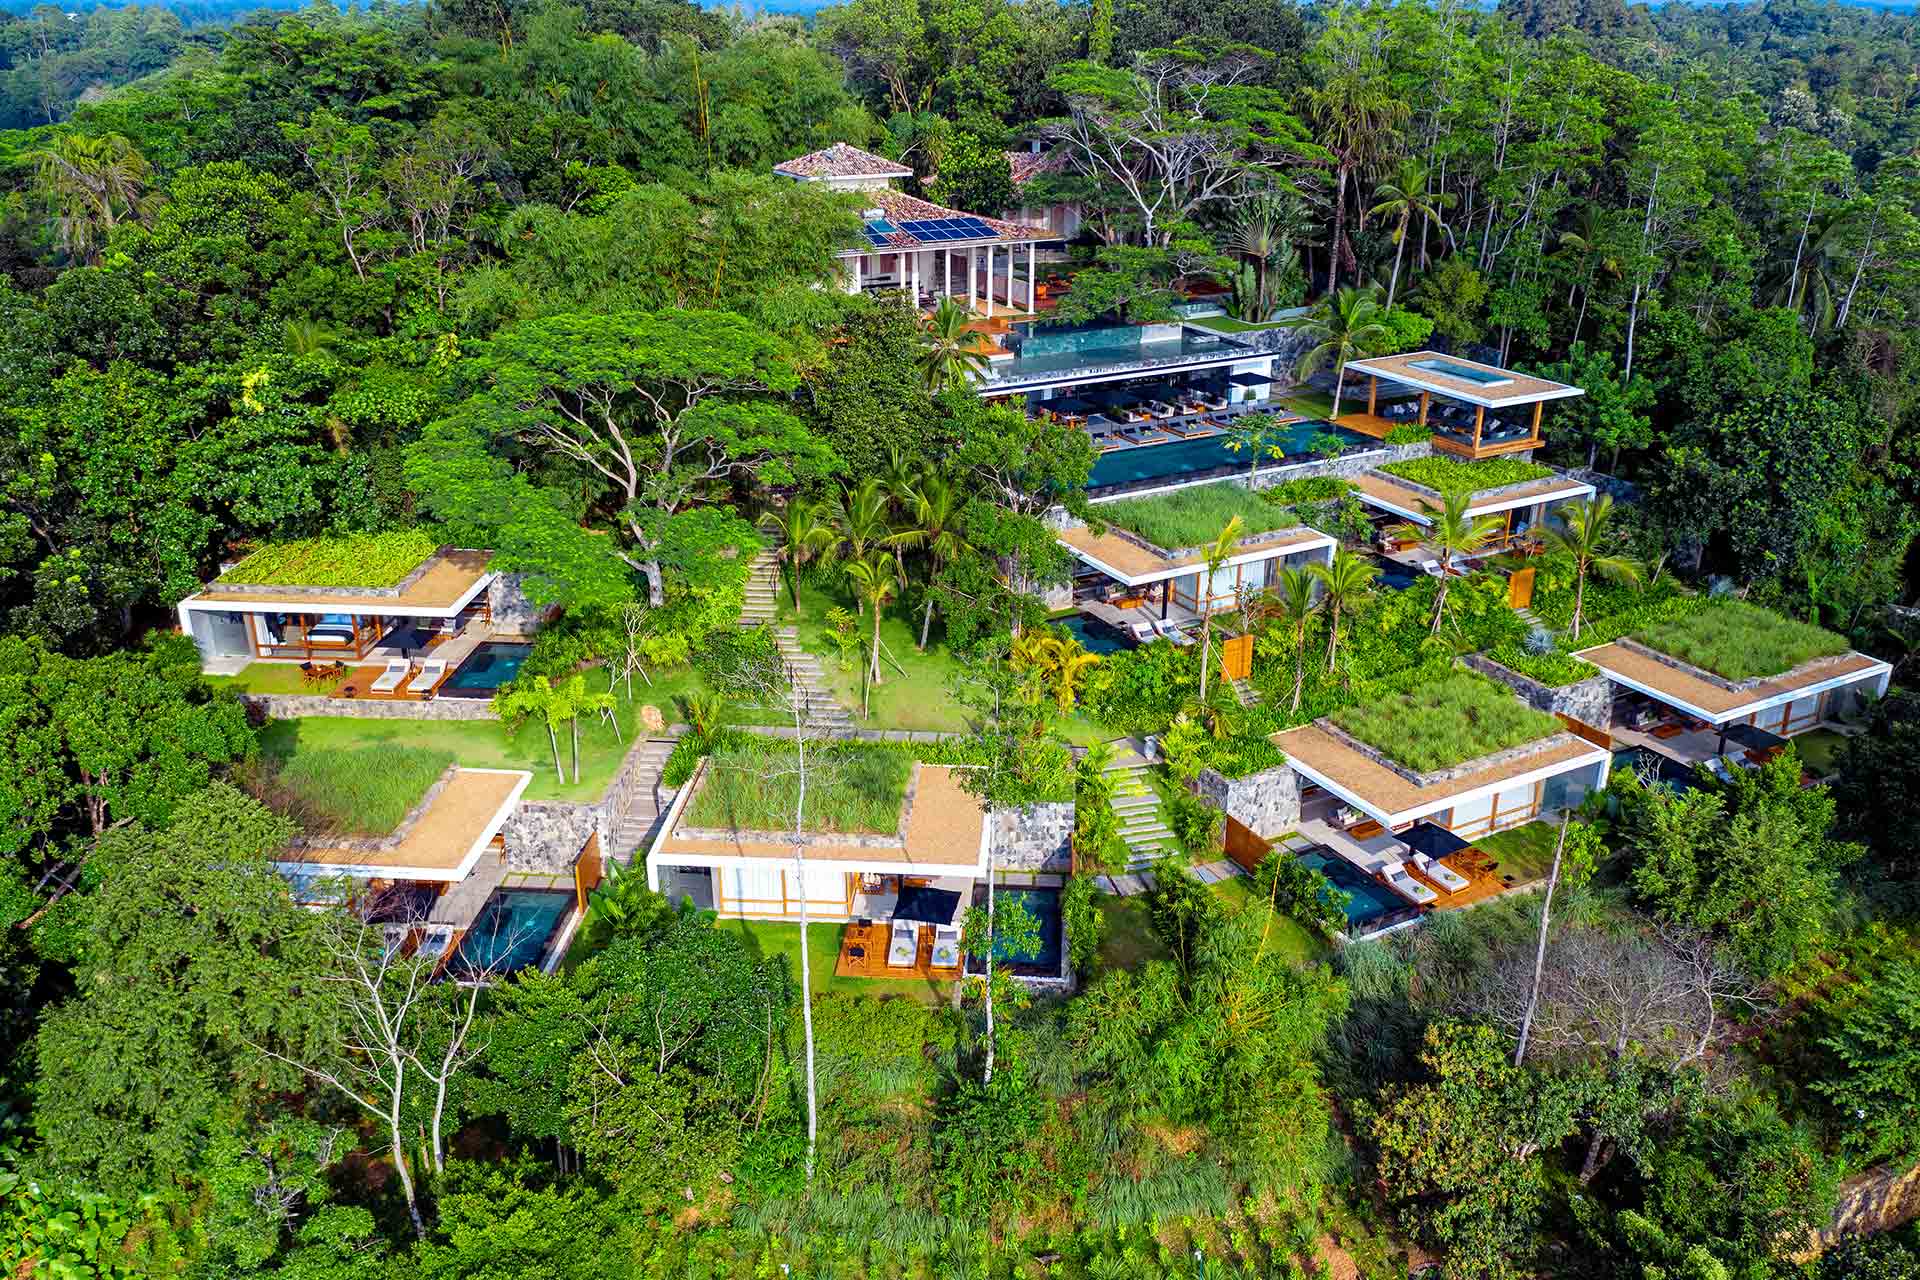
(1397, 498)
(1475, 383)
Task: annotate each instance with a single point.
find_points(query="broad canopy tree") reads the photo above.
(657, 408)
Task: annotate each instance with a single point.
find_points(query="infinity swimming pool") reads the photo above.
(512, 930)
(1196, 457)
(1367, 900)
(489, 666)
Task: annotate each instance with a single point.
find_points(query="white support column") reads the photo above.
(1011, 304)
(988, 277)
(946, 273)
(853, 273)
(913, 278)
(1033, 274)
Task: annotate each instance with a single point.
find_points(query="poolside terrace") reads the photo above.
(1474, 410)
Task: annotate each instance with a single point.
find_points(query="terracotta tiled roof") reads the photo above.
(842, 161)
(898, 207)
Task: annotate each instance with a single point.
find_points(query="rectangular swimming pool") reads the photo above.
(1464, 372)
(1192, 458)
(488, 667)
(512, 931)
(1094, 635)
(1045, 906)
(1367, 899)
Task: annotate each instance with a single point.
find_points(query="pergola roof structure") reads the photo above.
(1459, 378)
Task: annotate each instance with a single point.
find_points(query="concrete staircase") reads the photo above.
(823, 708)
(1137, 805)
(634, 828)
(763, 590)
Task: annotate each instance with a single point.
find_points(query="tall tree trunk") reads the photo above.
(806, 963)
(1540, 951)
(1579, 597)
(1859, 270)
(1206, 637)
(1339, 228)
(1400, 247)
(1333, 635)
(987, 1075)
(400, 1155)
(1595, 1158)
(1799, 248)
(553, 740)
(926, 618)
(1339, 384)
(575, 724)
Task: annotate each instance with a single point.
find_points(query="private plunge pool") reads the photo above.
(489, 666)
(512, 932)
(1045, 906)
(1369, 902)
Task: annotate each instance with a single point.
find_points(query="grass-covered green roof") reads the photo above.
(1452, 475)
(352, 791)
(751, 784)
(1740, 641)
(1436, 724)
(1193, 517)
(376, 560)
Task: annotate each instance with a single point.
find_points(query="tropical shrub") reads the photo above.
(1083, 922)
(1195, 823)
(1408, 433)
(1300, 891)
(740, 661)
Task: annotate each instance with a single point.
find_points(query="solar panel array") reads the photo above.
(880, 232)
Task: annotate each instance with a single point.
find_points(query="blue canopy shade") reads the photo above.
(925, 905)
(1250, 379)
(1433, 840)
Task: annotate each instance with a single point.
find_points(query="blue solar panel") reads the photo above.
(940, 230)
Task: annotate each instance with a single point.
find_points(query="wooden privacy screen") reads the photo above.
(1520, 588)
(1236, 658)
(1244, 847)
(1581, 729)
(587, 870)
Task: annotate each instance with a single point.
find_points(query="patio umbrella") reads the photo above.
(1250, 379)
(922, 904)
(1433, 840)
(1750, 736)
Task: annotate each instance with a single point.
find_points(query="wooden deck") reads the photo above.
(871, 940)
(359, 686)
(1483, 881)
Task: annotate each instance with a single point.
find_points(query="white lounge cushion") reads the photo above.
(390, 679)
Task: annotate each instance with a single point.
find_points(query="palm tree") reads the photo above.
(1345, 325)
(1581, 534)
(1356, 117)
(861, 523)
(519, 701)
(933, 507)
(873, 579)
(1806, 283)
(1584, 241)
(91, 184)
(804, 532)
(1257, 433)
(1298, 601)
(1401, 199)
(1259, 237)
(305, 337)
(951, 353)
(1216, 553)
(1344, 583)
(1451, 533)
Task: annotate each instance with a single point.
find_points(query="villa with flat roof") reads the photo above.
(1521, 504)
(443, 882)
(1731, 674)
(1474, 410)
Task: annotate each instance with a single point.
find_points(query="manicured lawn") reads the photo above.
(1525, 853)
(1285, 935)
(1819, 751)
(1738, 641)
(1193, 517)
(1444, 722)
(481, 744)
(1127, 942)
(1451, 475)
(770, 938)
(1309, 403)
(274, 677)
(915, 689)
(851, 787)
(363, 791)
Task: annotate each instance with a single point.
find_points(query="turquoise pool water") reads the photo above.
(1367, 899)
(1094, 635)
(1045, 906)
(486, 669)
(1196, 457)
(1464, 372)
(512, 930)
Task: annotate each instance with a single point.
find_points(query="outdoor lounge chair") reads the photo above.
(1172, 630)
(904, 948)
(428, 678)
(946, 948)
(1396, 874)
(389, 680)
(1142, 631)
(1440, 873)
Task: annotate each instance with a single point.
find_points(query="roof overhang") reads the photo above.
(1123, 373)
(1563, 490)
(340, 862)
(1521, 388)
(292, 603)
(1316, 542)
(1594, 757)
(1878, 671)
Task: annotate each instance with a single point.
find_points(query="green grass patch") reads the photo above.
(1192, 517)
(1285, 936)
(753, 784)
(1819, 751)
(1740, 641)
(1441, 723)
(354, 560)
(357, 791)
(485, 744)
(1525, 852)
(1127, 941)
(275, 677)
(1451, 475)
(1308, 403)
(765, 938)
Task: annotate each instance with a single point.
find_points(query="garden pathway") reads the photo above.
(1245, 692)
(634, 824)
(824, 713)
(1137, 805)
(763, 589)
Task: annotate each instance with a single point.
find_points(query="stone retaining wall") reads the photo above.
(289, 706)
(1588, 701)
(1347, 466)
(513, 613)
(1266, 803)
(1035, 837)
(546, 836)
